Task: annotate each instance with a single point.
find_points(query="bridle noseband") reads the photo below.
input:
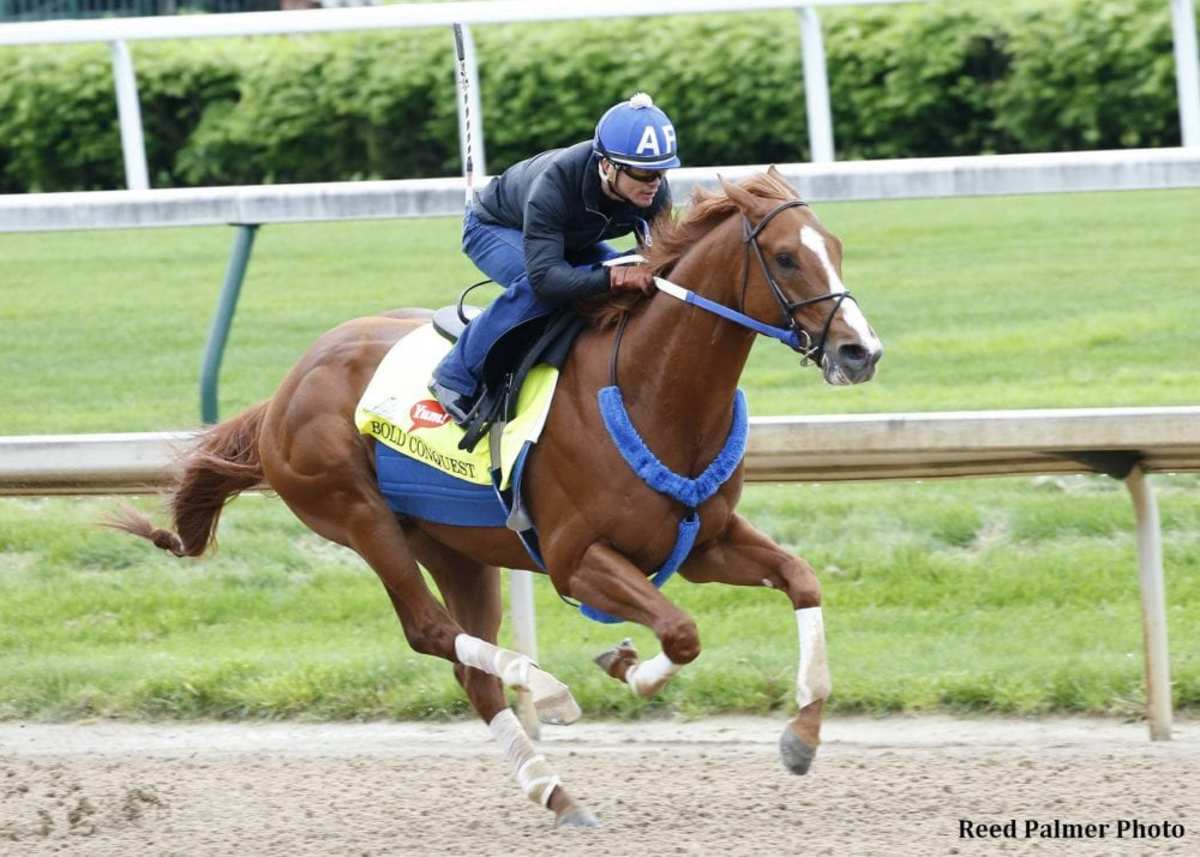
(803, 341)
(791, 334)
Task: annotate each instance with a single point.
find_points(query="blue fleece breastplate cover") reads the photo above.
(690, 492)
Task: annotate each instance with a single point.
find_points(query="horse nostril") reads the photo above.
(854, 356)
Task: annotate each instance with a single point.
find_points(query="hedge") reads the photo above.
(954, 78)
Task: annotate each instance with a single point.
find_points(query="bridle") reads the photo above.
(791, 334)
(802, 339)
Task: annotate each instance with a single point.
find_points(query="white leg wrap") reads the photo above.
(812, 679)
(512, 668)
(551, 697)
(534, 774)
(649, 677)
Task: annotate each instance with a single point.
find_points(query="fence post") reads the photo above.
(1154, 605)
(218, 334)
(524, 629)
(130, 114)
(816, 87)
(1187, 70)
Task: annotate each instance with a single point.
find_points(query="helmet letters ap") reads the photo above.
(637, 134)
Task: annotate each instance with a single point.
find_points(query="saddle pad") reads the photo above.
(398, 410)
(420, 491)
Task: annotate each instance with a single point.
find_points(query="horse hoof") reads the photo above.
(797, 755)
(561, 709)
(552, 699)
(579, 816)
(617, 660)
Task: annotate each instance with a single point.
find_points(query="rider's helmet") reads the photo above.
(635, 133)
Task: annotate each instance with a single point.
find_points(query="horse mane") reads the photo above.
(673, 235)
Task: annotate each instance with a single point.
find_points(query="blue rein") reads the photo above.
(787, 335)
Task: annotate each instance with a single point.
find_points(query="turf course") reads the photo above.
(1014, 595)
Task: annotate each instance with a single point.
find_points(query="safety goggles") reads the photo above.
(643, 176)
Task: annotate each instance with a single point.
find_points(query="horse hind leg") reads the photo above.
(377, 537)
(336, 496)
(472, 594)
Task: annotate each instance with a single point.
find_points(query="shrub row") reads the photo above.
(915, 80)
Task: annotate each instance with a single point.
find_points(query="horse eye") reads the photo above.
(785, 261)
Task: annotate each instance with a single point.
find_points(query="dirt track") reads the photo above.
(897, 786)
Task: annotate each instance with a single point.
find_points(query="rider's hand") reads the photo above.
(630, 279)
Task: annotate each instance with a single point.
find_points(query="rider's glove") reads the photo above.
(630, 279)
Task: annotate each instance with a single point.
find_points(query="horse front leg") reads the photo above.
(744, 556)
(608, 581)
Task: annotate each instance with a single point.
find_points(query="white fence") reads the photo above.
(118, 31)
(1062, 172)
(1126, 443)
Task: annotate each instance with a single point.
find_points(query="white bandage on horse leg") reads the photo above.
(648, 677)
(812, 679)
(510, 667)
(551, 697)
(534, 774)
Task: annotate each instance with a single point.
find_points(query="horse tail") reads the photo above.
(223, 462)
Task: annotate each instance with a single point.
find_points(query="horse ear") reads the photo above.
(778, 176)
(746, 201)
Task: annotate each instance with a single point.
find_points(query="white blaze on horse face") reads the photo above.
(812, 678)
(851, 314)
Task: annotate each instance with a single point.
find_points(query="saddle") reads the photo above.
(547, 340)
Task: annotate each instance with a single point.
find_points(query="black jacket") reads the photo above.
(555, 200)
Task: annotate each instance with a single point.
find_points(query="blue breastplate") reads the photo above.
(690, 492)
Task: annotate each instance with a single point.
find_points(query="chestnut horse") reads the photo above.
(754, 251)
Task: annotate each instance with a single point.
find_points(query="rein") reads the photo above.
(791, 334)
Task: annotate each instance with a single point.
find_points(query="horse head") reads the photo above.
(792, 273)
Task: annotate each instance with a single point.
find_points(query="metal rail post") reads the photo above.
(816, 88)
(129, 113)
(1187, 69)
(520, 606)
(218, 334)
(1154, 605)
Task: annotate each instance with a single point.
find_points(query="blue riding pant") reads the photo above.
(498, 252)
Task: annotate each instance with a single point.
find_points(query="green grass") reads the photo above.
(1014, 595)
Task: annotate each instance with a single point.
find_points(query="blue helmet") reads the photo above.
(637, 134)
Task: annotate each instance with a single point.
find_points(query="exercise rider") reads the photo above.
(539, 230)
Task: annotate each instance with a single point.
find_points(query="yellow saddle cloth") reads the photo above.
(397, 409)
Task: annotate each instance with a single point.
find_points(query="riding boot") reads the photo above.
(454, 403)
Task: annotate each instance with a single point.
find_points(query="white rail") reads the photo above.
(117, 31)
(401, 16)
(1057, 172)
(850, 447)
(1126, 443)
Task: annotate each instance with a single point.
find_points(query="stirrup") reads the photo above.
(459, 407)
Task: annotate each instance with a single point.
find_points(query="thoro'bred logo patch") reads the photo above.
(427, 413)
